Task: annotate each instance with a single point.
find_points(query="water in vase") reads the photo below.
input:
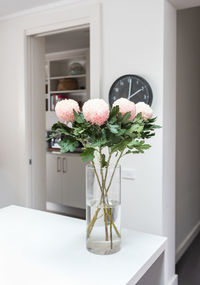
(103, 226)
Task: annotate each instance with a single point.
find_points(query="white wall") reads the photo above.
(132, 42)
(188, 131)
(121, 55)
(169, 131)
(129, 46)
(70, 40)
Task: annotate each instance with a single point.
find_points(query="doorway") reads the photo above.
(37, 44)
(67, 76)
(187, 129)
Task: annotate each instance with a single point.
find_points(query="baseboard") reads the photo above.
(187, 241)
(174, 280)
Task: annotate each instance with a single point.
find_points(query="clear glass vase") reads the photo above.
(103, 209)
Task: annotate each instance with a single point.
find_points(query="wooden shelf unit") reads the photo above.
(57, 67)
(82, 91)
(68, 76)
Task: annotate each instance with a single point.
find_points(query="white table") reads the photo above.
(42, 248)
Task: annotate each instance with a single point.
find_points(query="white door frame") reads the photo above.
(33, 195)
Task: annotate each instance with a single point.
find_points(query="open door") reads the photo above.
(37, 160)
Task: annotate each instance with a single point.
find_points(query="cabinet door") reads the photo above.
(73, 192)
(54, 178)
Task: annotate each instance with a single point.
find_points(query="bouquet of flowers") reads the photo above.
(104, 133)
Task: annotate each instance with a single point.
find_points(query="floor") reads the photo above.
(188, 268)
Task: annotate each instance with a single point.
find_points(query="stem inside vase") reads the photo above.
(103, 209)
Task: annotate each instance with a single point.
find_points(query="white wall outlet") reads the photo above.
(128, 173)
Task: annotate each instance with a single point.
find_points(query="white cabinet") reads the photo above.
(66, 180)
(54, 178)
(73, 191)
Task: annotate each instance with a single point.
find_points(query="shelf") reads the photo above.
(67, 76)
(69, 91)
(57, 150)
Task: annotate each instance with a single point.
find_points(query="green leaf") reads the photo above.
(126, 117)
(133, 152)
(79, 118)
(78, 131)
(62, 128)
(132, 129)
(114, 111)
(157, 127)
(52, 136)
(129, 151)
(87, 154)
(113, 128)
(68, 145)
(99, 142)
(121, 145)
(138, 118)
(140, 129)
(133, 144)
(103, 160)
(146, 146)
(121, 132)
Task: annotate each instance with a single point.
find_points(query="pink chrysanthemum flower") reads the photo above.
(125, 106)
(96, 111)
(145, 109)
(64, 110)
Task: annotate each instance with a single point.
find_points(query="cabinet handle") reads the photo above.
(64, 164)
(58, 164)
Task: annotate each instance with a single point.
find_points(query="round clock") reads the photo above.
(132, 87)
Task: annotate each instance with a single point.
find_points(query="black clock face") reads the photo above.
(132, 87)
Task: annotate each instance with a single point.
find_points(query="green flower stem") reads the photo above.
(111, 239)
(91, 225)
(108, 163)
(106, 225)
(116, 230)
(96, 175)
(114, 171)
(106, 212)
(113, 224)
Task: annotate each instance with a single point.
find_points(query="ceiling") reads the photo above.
(184, 4)
(8, 7)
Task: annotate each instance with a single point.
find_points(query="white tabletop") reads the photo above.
(41, 248)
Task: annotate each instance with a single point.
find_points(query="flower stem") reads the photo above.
(95, 171)
(114, 171)
(113, 224)
(106, 225)
(91, 225)
(107, 211)
(111, 241)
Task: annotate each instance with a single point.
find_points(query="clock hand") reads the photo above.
(129, 91)
(135, 93)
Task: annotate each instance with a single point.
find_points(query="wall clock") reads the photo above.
(132, 87)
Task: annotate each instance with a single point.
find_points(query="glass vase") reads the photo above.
(103, 209)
